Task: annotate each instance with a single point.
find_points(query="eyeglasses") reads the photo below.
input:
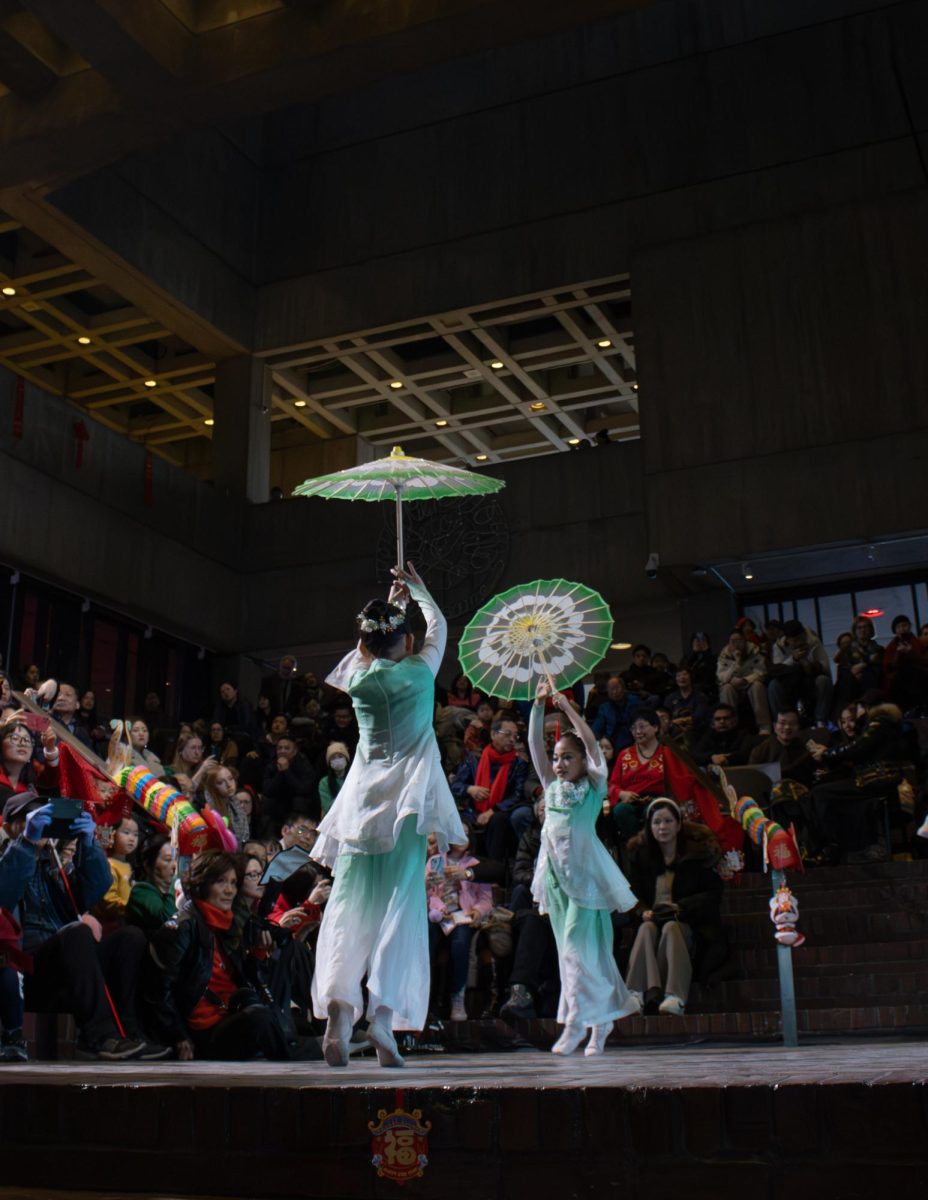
(253, 874)
(19, 739)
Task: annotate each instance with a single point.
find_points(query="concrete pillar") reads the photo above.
(242, 433)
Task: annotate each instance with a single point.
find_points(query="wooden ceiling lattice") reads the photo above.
(514, 379)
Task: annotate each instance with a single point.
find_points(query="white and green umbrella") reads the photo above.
(550, 629)
(399, 477)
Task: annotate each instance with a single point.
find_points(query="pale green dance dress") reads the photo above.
(577, 884)
(374, 836)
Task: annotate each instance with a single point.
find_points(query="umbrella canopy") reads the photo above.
(399, 477)
(551, 628)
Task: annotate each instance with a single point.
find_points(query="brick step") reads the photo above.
(879, 893)
(832, 927)
(744, 1025)
(759, 961)
(826, 878)
(850, 990)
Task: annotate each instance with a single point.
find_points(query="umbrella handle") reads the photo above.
(547, 671)
(400, 548)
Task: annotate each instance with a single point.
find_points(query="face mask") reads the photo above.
(338, 763)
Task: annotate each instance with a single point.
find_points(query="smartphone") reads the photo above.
(64, 813)
(36, 722)
(436, 866)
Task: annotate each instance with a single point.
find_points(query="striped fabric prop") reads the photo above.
(167, 806)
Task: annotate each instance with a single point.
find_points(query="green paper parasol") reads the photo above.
(551, 628)
(399, 477)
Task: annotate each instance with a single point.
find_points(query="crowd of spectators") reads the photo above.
(212, 957)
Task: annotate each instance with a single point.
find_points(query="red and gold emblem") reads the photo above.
(399, 1144)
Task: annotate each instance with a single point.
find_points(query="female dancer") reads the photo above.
(576, 882)
(374, 836)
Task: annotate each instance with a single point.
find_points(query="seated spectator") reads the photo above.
(489, 790)
(477, 733)
(204, 983)
(138, 739)
(749, 632)
(111, 910)
(218, 791)
(298, 830)
(640, 678)
(7, 704)
(534, 977)
(151, 901)
(859, 663)
(662, 678)
(64, 710)
(905, 667)
(232, 711)
(596, 695)
(91, 724)
(337, 762)
(241, 814)
(455, 907)
(290, 784)
(842, 808)
(343, 725)
(800, 673)
(615, 714)
(189, 766)
(221, 747)
(741, 674)
(32, 677)
(263, 716)
(671, 871)
(786, 747)
(461, 693)
(12, 960)
(701, 664)
(723, 744)
(20, 770)
(72, 967)
(689, 708)
(650, 769)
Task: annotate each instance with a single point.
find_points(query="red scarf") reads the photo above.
(215, 918)
(498, 786)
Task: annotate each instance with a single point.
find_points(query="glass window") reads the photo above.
(756, 613)
(805, 612)
(836, 614)
(921, 599)
(890, 602)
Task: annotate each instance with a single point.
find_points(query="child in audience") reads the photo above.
(112, 908)
(456, 906)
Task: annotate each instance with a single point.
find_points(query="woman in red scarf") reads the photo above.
(19, 771)
(647, 769)
(206, 998)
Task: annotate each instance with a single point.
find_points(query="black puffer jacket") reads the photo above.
(878, 752)
(177, 973)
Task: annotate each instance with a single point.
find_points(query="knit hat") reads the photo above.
(334, 748)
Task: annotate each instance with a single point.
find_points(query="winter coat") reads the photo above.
(877, 752)
(31, 883)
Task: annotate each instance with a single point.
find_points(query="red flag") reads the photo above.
(107, 802)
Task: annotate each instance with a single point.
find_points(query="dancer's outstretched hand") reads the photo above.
(543, 690)
(410, 575)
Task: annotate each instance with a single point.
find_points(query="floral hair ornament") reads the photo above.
(388, 625)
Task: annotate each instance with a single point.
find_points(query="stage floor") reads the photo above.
(842, 1119)
(876, 1062)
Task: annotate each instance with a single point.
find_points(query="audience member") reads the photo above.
(741, 673)
(337, 761)
(232, 711)
(615, 714)
(65, 711)
(456, 906)
(689, 708)
(151, 900)
(786, 747)
(701, 664)
(905, 667)
(290, 784)
(800, 674)
(490, 791)
(639, 677)
(723, 744)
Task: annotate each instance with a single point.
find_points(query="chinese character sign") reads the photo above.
(399, 1144)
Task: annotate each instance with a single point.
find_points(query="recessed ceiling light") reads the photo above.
(538, 406)
(9, 291)
(634, 387)
(441, 424)
(621, 646)
(395, 384)
(497, 365)
(299, 403)
(747, 571)
(482, 457)
(604, 343)
(151, 382)
(208, 421)
(573, 441)
(83, 340)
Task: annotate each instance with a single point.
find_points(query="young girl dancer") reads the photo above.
(374, 835)
(576, 882)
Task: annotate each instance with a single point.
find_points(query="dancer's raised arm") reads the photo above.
(595, 763)
(536, 736)
(436, 627)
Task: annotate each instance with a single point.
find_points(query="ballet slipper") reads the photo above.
(383, 1041)
(597, 1042)
(337, 1034)
(569, 1040)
